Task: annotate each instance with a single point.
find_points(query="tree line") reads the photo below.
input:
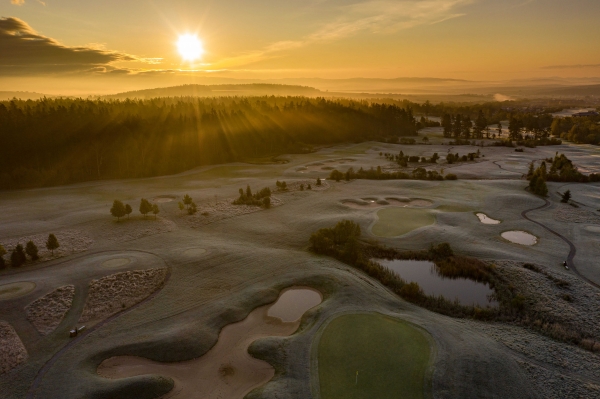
(561, 170)
(581, 130)
(59, 141)
(379, 174)
(18, 255)
(119, 209)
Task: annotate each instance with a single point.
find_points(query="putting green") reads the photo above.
(390, 355)
(393, 222)
(15, 290)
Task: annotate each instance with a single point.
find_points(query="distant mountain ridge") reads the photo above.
(197, 90)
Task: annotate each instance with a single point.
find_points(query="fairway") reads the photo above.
(394, 222)
(390, 355)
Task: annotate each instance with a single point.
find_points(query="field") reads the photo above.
(373, 356)
(206, 272)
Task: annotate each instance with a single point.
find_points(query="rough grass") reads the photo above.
(454, 208)
(390, 355)
(395, 222)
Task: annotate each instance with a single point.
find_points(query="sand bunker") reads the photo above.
(593, 229)
(520, 237)
(293, 303)
(193, 252)
(15, 290)
(116, 262)
(47, 312)
(71, 241)
(12, 351)
(161, 199)
(226, 371)
(111, 294)
(485, 219)
(569, 214)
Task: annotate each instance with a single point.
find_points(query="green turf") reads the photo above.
(454, 208)
(390, 355)
(395, 222)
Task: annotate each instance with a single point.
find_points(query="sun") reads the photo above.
(190, 47)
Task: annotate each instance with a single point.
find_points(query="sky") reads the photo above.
(74, 46)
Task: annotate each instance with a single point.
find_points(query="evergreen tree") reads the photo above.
(480, 125)
(499, 129)
(145, 207)
(309, 187)
(447, 125)
(248, 191)
(181, 206)
(128, 210)
(32, 250)
(318, 181)
(267, 202)
(52, 243)
(514, 129)
(531, 170)
(17, 257)
(192, 209)
(467, 124)
(118, 209)
(457, 128)
(2, 253)
(566, 196)
(155, 210)
(187, 200)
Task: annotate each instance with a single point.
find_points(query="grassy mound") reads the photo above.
(390, 355)
(394, 222)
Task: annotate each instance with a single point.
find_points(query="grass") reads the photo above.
(390, 355)
(395, 222)
(454, 208)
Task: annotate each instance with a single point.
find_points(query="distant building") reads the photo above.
(586, 113)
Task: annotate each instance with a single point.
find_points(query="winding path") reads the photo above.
(572, 249)
(31, 393)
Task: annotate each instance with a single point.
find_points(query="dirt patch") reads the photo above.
(569, 214)
(15, 290)
(71, 242)
(111, 294)
(12, 351)
(226, 371)
(210, 213)
(47, 312)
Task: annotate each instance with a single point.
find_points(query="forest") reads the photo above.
(58, 141)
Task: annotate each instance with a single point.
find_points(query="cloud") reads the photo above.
(25, 51)
(17, 2)
(371, 16)
(575, 66)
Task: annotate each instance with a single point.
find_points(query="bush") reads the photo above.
(17, 256)
(257, 199)
(32, 250)
(451, 176)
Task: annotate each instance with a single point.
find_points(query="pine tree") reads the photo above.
(267, 202)
(155, 210)
(52, 243)
(118, 209)
(248, 191)
(309, 187)
(2, 253)
(128, 210)
(187, 200)
(457, 128)
(467, 124)
(318, 181)
(192, 209)
(181, 206)
(145, 207)
(32, 250)
(447, 125)
(17, 257)
(566, 196)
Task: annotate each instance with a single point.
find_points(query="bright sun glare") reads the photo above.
(189, 47)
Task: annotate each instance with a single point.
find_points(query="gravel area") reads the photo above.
(71, 242)
(568, 214)
(111, 294)
(47, 312)
(12, 351)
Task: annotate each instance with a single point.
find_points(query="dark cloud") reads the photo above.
(25, 51)
(576, 66)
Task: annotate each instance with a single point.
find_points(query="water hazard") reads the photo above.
(424, 273)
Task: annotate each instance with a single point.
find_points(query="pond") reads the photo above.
(424, 273)
(293, 303)
(485, 219)
(519, 237)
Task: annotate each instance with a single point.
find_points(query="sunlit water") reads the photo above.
(424, 273)
(520, 237)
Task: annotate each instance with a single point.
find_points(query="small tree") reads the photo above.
(181, 206)
(187, 200)
(267, 202)
(145, 207)
(318, 181)
(32, 250)
(309, 187)
(301, 187)
(128, 210)
(2, 253)
(155, 210)
(118, 210)
(566, 196)
(52, 243)
(17, 257)
(192, 208)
